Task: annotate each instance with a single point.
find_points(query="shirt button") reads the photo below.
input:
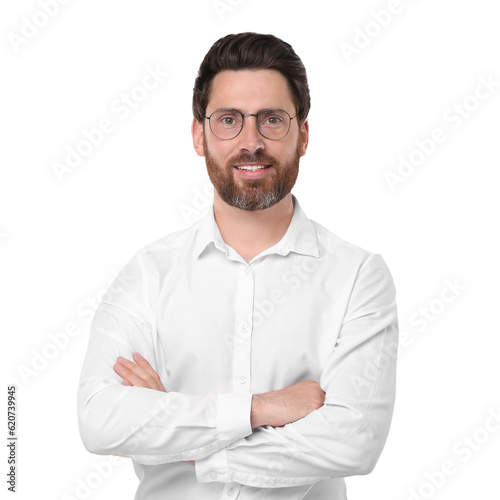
(243, 380)
(230, 492)
(244, 325)
(213, 474)
(247, 270)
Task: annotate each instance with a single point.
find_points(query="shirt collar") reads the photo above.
(300, 236)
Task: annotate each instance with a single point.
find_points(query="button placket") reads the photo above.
(231, 490)
(244, 303)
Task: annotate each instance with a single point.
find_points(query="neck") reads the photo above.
(250, 233)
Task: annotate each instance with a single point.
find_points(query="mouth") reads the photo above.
(252, 171)
(251, 168)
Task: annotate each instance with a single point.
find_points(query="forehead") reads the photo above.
(250, 91)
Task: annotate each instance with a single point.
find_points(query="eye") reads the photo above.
(272, 119)
(228, 120)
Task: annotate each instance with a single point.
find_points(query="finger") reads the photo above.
(124, 382)
(148, 375)
(128, 375)
(141, 376)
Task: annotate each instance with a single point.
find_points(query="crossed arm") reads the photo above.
(275, 408)
(297, 435)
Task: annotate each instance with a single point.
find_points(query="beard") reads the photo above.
(253, 194)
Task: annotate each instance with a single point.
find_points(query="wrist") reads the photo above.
(257, 414)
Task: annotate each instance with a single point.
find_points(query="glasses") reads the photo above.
(273, 124)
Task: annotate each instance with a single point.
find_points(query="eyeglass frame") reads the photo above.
(256, 121)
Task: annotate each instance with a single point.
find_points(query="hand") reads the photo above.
(287, 405)
(138, 375)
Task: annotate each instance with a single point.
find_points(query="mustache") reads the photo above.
(253, 158)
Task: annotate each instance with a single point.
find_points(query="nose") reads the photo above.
(249, 138)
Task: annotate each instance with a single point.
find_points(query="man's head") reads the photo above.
(249, 73)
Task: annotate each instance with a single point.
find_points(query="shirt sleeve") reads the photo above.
(347, 434)
(149, 426)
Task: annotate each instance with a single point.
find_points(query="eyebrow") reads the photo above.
(240, 111)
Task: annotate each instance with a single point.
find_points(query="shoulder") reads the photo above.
(137, 283)
(167, 248)
(153, 260)
(333, 247)
(347, 257)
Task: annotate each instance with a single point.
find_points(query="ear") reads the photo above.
(197, 133)
(304, 138)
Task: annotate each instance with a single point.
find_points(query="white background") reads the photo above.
(63, 241)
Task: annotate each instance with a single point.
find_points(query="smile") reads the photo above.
(252, 168)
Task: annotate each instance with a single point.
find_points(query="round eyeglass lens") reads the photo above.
(225, 123)
(274, 123)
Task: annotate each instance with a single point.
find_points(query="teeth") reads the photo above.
(253, 168)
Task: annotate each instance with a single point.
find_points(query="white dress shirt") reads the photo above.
(218, 330)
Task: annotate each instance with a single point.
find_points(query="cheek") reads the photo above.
(214, 148)
(285, 152)
(223, 153)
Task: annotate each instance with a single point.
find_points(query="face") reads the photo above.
(250, 91)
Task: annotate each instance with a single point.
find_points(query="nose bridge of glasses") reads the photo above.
(250, 114)
(253, 130)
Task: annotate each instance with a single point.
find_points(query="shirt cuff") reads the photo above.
(233, 416)
(233, 422)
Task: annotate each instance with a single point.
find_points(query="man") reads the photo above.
(253, 354)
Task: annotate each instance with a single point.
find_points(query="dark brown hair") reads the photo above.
(251, 51)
